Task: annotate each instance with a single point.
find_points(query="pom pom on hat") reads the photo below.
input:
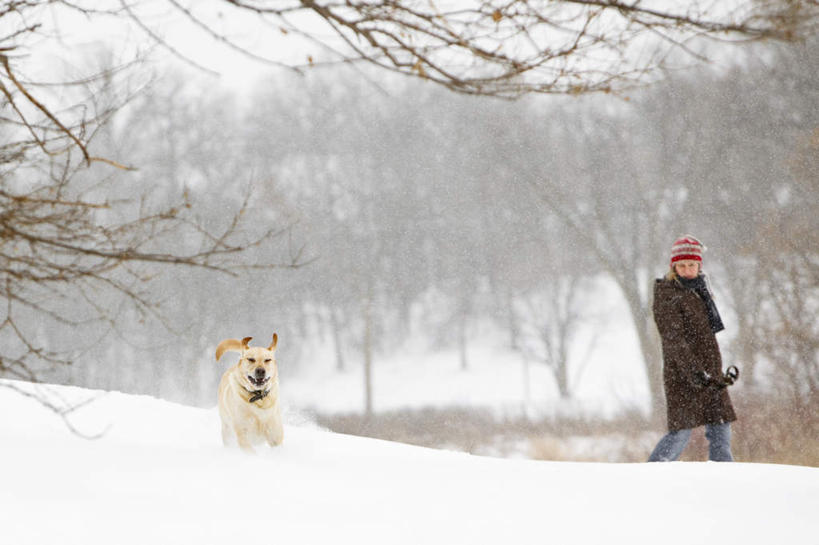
(686, 248)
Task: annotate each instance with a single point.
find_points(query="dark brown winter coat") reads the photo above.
(689, 346)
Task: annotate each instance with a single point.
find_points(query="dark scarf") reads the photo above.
(699, 287)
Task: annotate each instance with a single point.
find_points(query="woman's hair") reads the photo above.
(672, 273)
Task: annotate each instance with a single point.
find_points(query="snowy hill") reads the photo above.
(160, 475)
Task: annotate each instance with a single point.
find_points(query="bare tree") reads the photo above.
(549, 321)
(504, 48)
(499, 48)
(615, 212)
(787, 242)
(74, 257)
(63, 249)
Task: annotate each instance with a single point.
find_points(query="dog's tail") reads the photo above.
(232, 345)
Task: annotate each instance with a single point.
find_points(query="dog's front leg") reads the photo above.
(244, 443)
(272, 427)
(274, 435)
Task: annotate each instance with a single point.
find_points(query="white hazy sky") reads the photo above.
(72, 40)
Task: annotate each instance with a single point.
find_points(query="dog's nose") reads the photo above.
(259, 373)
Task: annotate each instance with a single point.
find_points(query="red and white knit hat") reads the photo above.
(686, 247)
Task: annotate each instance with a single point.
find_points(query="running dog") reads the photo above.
(249, 395)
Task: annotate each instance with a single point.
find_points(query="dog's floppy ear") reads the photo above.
(274, 342)
(233, 345)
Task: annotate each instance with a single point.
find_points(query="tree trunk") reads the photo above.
(561, 370)
(368, 354)
(462, 343)
(649, 342)
(335, 326)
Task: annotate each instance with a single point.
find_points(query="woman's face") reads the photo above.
(687, 268)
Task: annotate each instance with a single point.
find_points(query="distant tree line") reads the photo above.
(422, 213)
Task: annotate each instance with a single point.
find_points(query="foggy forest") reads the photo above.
(360, 210)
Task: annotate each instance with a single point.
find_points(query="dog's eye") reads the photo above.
(251, 360)
(267, 360)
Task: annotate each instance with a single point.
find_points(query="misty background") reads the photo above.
(405, 213)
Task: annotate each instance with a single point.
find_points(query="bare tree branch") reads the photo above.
(72, 256)
(512, 47)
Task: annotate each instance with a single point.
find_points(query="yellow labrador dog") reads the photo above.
(249, 395)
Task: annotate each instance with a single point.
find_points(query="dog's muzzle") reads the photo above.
(259, 377)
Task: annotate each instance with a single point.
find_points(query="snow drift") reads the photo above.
(160, 475)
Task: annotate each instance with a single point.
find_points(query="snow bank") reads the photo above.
(160, 475)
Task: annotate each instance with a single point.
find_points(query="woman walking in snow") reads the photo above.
(695, 387)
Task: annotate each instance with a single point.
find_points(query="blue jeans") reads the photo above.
(674, 442)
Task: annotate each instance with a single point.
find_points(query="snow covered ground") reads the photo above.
(160, 475)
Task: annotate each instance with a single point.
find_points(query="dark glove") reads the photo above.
(721, 382)
(702, 379)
